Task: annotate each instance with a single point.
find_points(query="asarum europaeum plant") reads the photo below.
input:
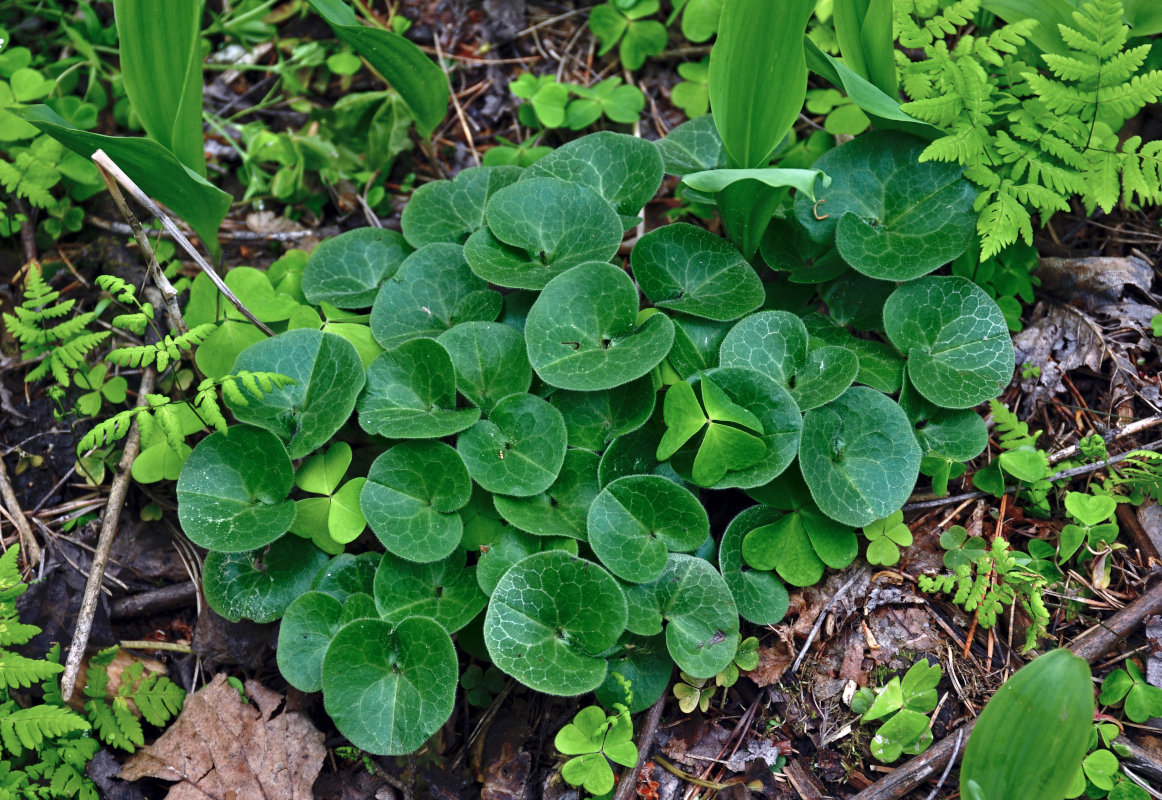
(545, 425)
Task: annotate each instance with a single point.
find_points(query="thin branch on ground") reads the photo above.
(645, 742)
(862, 572)
(30, 549)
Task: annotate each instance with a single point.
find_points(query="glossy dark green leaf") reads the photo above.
(686, 268)
(510, 546)
(411, 497)
(328, 373)
(346, 575)
(693, 146)
(232, 493)
(260, 584)
(347, 270)
(696, 344)
(582, 331)
(773, 343)
(490, 361)
(562, 509)
(307, 627)
(956, 435)
(550, 617)
(445, 591)
(760, 596)
(625, 170)
(450, 211)
(411, 394)
(594, 419)
(630, 454)
(519, 449)
(855, 300)
(644, 662)
(701, 617)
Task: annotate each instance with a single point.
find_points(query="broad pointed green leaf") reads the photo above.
(696, 344)
(490, 361)
(683, 416)
(631, 454)
(519, 449)
(260, 584)
(450, 211)
(347, 270)
(411, 394)
(725, 449)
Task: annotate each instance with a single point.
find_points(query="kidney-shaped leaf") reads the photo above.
(260, 584)
(771, 342)
(328, 374)
(892, 216)
(958, 345)
(450, 211)
(582, 331)
(550, 618)
(686, 268)
(594, 419)
(539, 228)
(701, 617)
(490, 361)
(859, 456)
(232, 493)
(519, 449)
(445, 591)
(637, 520)
(624, 169)
(411, 497)
(561, 509)
(347, 270)
(388, 688)
(760, 596)
(411, 394)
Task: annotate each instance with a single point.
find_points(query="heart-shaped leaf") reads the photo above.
(824, 376)
(562, 508)
(549, 618)
(449, 211)
(759, 594)
(958, 345)
(490, 361)
(625, 170)
(232, 493)
(519, 449)
(644, 662)
(686, 268)
(539, 228)
(260, 584)
(594, 419)
(323, 472)
(636, 520)
(701, 617)
(328, 374)
(892, 216)
(411, 497)
(773, 343)
(583, 334)
(307, 628)
(511, 546)
(432, 290)
(347, 270)
(693, 146)
(411, 394)
(445, 591)
(346, 575)
(1089, 509)
(406, 672)
(859, 457)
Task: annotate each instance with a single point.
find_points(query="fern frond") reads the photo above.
(1141, 169)
(132, 322)
(1012, 433)
(20, 672)
(109, 430)
(121, 290)
(157, 698)
(168, 350)
(1001, 221)
(11, 585)
(27, 728)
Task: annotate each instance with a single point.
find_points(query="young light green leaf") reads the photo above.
(411, 394)
(347, 270)
(260, 584)
(490, 361)
(562, 508)
(760, 596)
(583, 334)
(323, 472)
(445, 591)
(450, 211)
(519, 449)
(549, 618)
(701, 618)
(683, 416)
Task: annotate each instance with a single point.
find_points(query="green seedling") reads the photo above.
(481, 686)
(624, 24)
(694, 693)
(594, 739)
(903, 704)
(1092, 515)
(885, 538)
(692, 94)
(1128, 686)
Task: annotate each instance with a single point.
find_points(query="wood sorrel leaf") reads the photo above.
(519, 449)
(490, 361)
(701, 618)
(411, 394)
(411, 497)
(347, 270)
(582, 331)
(562, 508)
(406, 672)
(958, 345)
(550, 617)
(328, 374)
(892, 216)
(636, 520)
(859, 457)
(445, 591)
(594, 419)
(232, 493)
(686, 268)
(260, 584)
(539, 228)
(323, 472)
(760, 596)
(432, 290)
(450, 211)
(307, 628)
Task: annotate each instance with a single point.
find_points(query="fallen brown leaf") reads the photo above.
(220, 747)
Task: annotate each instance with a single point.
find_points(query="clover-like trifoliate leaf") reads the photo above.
(328, 373)
(519, 449)
(958, 345)
(307, 627)
(260, 584)
(693, 146)
(594, 419)
(550, 617)
(561, 509)
(686, 268)
(432, 290)
(859, 456)
(449, 211)
(388, 688)
(892, 216)
(347, 270)
(511, 546)
(411, 497)
(346, 575)
(411, 394)
(637, 520)
(490, 361)
(232, 493)
(701, 617)
(759, 594)
(625, 170)
(445, 591)
(323, 472)
(538, 229)
(583, 334)
(771, 342)
(644, 662)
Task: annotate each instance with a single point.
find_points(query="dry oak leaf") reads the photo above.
(221, 748)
